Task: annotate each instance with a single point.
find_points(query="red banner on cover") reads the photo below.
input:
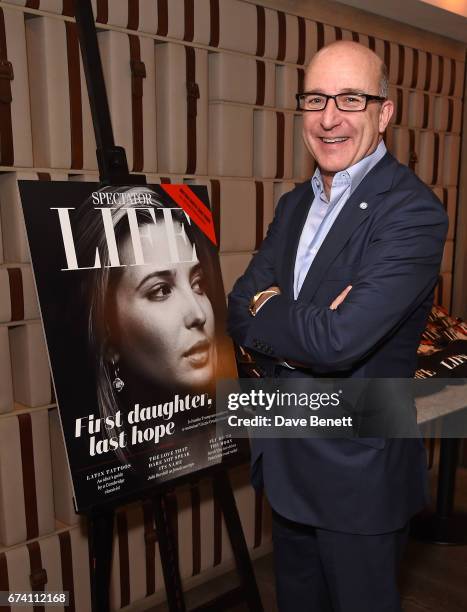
(194, 208)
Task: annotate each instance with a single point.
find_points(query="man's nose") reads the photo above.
(193, 312)
(330, 116)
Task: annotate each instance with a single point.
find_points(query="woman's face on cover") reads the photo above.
(164, 317)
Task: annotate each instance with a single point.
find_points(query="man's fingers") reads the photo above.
(340, 298)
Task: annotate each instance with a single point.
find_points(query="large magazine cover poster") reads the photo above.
(133, 307)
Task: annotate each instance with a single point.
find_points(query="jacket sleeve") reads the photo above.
(259, 275)
(397, 273)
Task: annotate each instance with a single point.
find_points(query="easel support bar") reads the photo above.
(111, 159)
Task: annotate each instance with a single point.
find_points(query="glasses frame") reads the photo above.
(368, 98)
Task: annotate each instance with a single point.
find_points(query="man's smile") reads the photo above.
(335, 140)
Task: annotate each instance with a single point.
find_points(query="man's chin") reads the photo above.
(330, 164)
(332, 168)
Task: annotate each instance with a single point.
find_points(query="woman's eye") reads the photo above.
(159, 292)
(198, 285)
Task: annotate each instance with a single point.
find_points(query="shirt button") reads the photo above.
(363, 205)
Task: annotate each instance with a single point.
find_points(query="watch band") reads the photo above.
(260, 298)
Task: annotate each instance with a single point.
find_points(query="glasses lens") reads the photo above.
(350, 102)
(312, 102)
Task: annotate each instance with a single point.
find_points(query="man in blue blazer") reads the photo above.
(342, 286)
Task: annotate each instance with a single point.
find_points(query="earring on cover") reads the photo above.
(117, 382)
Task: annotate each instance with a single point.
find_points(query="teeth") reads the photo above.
(330, 140)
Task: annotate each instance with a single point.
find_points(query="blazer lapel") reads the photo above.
(376, 182)
(294, 232)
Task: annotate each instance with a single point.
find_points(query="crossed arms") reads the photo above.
(397, 273)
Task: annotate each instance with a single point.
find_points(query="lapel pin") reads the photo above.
(363, 205)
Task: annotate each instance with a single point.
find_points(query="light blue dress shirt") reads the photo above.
(323, 213)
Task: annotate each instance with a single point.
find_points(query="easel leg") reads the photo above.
(100, 537)
(223, 492)
(169, 555)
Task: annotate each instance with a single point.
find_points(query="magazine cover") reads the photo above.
(443, 348)
(133, 306)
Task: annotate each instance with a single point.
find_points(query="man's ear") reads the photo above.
(385, 114)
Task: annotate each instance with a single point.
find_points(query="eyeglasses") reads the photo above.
(348, 102)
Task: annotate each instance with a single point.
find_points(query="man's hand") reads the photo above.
(340, 298)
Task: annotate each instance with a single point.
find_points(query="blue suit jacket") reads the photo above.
(390, 252)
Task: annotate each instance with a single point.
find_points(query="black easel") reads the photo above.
(113, 170)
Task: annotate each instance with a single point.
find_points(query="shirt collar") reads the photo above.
(353, 175)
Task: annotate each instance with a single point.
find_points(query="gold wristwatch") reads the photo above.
(260, 298)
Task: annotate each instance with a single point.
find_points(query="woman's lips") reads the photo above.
(198, 355)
